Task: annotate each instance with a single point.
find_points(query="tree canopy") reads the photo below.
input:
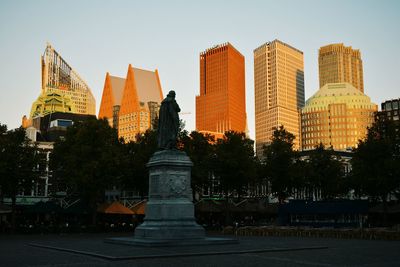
(234, 161)
(325, 173)
(200, 148)
(279, 159)
(18, 160)
(136, 155)
(376, 161)
(88, 160)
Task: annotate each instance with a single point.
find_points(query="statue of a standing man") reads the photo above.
(168, 123)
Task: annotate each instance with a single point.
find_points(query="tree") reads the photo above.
(234, 165)
(234, 161)
(200, 149)
(279, 159)
(302, 187)
(376, 161)
(18, 159)
(137, 154)
(325, 176)
(3, 128)
(88, 161)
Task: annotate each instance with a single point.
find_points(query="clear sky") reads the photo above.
(96, 37)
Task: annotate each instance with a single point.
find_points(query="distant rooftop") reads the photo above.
(280, 42)
(147, 86)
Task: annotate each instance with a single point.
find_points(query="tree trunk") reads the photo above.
(13, 212)
(228, 219)
(385, 212)
(281, 198)
(93, 208)
(94, 217)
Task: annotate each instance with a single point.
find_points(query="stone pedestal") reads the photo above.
(169, 216)
(170, 210)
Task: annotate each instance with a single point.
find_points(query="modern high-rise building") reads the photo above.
(131, 105)
(337, 115)
(221, 105)
(59, 77)
(63, 90)
(340, 64)
(278, 89)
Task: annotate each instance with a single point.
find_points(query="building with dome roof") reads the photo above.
(337, 116)
(52, 102)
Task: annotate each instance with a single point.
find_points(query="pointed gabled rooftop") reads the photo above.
(148, 85)
(138, 86)
(117, 85)
(130, 98)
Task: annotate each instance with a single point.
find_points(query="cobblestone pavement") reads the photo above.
(90, 250)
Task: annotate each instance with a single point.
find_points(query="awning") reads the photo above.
(78, 207)
(393, 209)
(44, 208)
(210, 206)
(114, 208)
(139, 208)
(325, 207)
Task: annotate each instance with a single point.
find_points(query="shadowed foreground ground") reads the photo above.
(90, 250)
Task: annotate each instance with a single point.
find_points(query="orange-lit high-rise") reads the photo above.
(221, 105)
(131, 105)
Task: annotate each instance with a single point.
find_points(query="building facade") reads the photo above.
(278, 89)
(48, 103)
(221, 105)
(337, 115)
(53, 126)
(340, 64)
(391, 108)
(131, 105)
(43, 132)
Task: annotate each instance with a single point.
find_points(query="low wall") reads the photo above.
(366, 233)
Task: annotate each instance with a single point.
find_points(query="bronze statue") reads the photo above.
(168, 122)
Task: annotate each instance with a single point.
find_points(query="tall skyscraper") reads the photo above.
(339, 64)
(63, 90)
(131, 105)
(221, 105)
(58, 77)
(337, 115)
(279, 90)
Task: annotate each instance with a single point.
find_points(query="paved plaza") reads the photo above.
(90, 250)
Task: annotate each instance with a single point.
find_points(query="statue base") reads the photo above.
(169, 211)
(170, 216)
